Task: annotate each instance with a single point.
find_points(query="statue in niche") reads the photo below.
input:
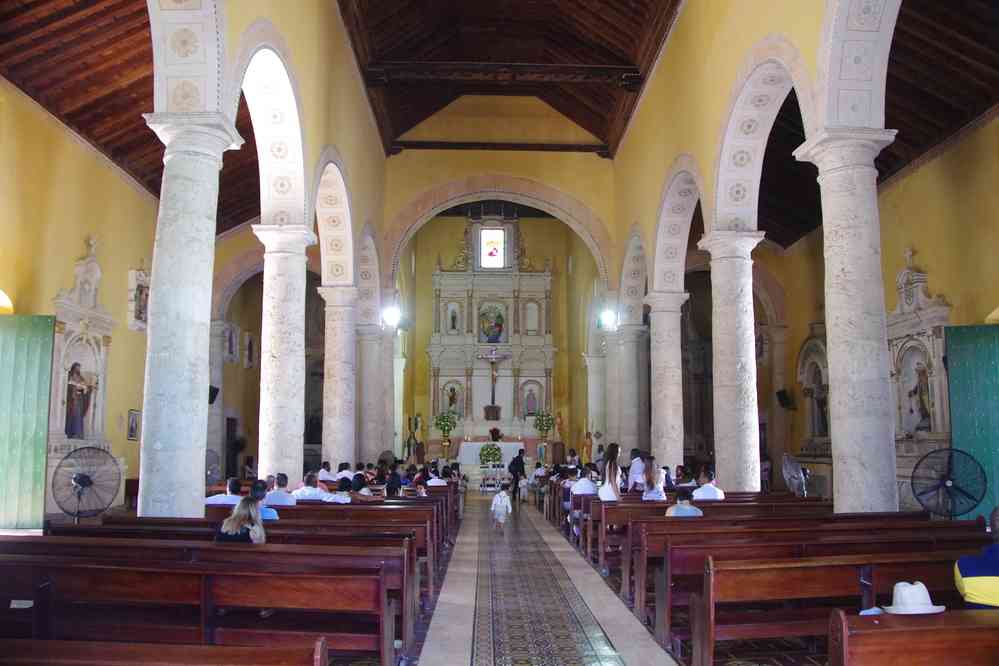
(79, 393)
(452, 318)
(919, 398)
(530, 403)
(452, 399)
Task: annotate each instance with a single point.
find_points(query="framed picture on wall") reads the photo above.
(134, 424)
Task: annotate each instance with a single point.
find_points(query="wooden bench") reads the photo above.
(813, 582)
(393, 559)
(89, 653)
(966, 637)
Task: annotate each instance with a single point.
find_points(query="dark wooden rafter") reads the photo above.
(600, 149)
(393, 72)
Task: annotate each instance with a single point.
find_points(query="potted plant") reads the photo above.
(445, 422)
(490, 454)
(543, 423)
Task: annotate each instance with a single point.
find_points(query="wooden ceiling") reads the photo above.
(586, 59)
(943, 73)
(90, 63)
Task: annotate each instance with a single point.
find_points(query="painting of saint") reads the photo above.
(919, 398)
(491, 323)
(79, 397)
(133, 425)
(530, 403)
(141, 302)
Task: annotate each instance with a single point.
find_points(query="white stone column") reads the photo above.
(399, 369)
(780, 421)
(175, 396)
(613, 391)
(860, 407)
(339, 375)
(371, 401)
(733, 342)
(282, 350)
(216, 412)
(596, 396)
(667, 375)
(388, 388)
(629, 337)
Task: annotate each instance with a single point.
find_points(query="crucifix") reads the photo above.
(494, 356)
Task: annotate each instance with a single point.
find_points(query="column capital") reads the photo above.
(778, 333)
(204, 133)
(666, 301)
(729, 244)
(339, 297)
(631, 333)
(284, 239)
(369, 332)
(835, 147)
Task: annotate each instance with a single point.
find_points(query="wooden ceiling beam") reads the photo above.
(122, 56)
(395, 72)
(930, 38)
(924, 20)
(941, 88)
(137, 74)
(56, 25)
(600, 149)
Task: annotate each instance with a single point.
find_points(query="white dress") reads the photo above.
(606, 492)
(501, 507)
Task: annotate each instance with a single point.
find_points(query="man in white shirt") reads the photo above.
(230, 497)
(436, 480)
(708, 490)
(584, 486)
(636, 473)
(310, 491)
(280, 495)
(324, 472)
(344, 472)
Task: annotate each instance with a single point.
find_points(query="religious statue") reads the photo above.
(454, 320)
(530, 403)
(587, 448)
(79, 393)
(919, 397)
(452, 399)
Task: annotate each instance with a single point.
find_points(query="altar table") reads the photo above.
(468, 454)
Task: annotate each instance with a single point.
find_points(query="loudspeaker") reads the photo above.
(785, 399)
(213, 392)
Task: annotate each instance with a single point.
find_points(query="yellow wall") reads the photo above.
(54, 192)
(544, 238)
(241, 385)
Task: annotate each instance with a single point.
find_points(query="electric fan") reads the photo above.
(85, 482)
(948, 482)
(213, 470)
(795, 476)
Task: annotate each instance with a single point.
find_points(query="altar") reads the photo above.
(468, 454)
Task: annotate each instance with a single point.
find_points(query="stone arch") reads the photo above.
(853, 62)
(772, 69)
(369, 295)
(813, 351)
(579, 217)
(188, 54)
(334, 221)
(676, 212)
(261, 71)
(236, 272)
(633, 281)
(767, 290)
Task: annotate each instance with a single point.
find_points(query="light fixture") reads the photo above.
(391, 316)
(608, 320)
(6, 306)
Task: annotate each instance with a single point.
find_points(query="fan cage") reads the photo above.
(105, 477)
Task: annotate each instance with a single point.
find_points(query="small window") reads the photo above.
(492, 248)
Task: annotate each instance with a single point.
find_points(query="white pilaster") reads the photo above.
(388, 388)
(667, 375)
(596, 396)
(339, 375)
(613, 392)
(371, 401)
(216, 412)
(175, 404)
(860, 407)
(629, 337)
(780, 421)
(282, 350)
(733, 333)
(399, 368)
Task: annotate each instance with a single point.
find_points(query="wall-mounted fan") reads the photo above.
(213, 468)
(795, 476)
(948, 482)
(85, 482)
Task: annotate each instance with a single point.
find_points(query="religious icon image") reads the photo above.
(141, 302)
(452, 318)
(492, 248)
(79, 398)
(453, 399)
(530, 403)
(134, 417)
(919, 398)
(492, 322)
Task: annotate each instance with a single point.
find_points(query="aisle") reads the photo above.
(535, 601)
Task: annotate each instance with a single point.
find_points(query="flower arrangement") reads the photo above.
(490, 454)
(445, 422)
(543, 423)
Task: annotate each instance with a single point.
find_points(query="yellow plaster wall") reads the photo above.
(54, 192)
(241, 385)
(544, 238)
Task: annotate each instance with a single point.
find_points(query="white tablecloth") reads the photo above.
(468, 454)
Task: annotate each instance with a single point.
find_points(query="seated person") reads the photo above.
(654, 480)
(409, 475)
(271, 481)
(708, 490)
(636, 472)
(249, 471)
(441, 480)
(683, 508)
(342, 495)
(977, 576)
(310, 489)
(280, 496)
(258, 491)
(360, 485)
(370, 472)
(585, 484)
(343, 472)
(324, 472)
(571, 476)
(573, 460)
(244, 525)
(231, 496)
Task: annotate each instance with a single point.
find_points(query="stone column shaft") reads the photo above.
(516, 311)
(216, 411)
(596, 397)
(733, 342)
(667, 376)
(437, 311)
(175, 405)
(516, 394)
(548, 312)
(340, 375)
(860, 407)
(435, 380)
(282, 350)
(629, 336)
(388, 387)
(549, 392)
(613, 392)
(469, 395)
(470, 315)
(371, 402)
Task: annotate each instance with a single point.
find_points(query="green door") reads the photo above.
(25, 379)
(973, 373)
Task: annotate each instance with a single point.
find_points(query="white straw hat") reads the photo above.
(911, 599)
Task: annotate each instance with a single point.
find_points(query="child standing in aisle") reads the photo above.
(501, 507)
